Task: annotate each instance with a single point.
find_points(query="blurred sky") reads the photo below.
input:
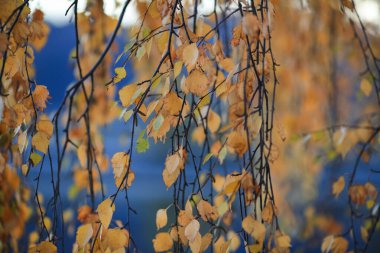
(148, 192)
(55, 10)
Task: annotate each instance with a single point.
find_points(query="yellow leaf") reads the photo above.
(340, 245)
(177, 68)
(82, 155)
(161, 218)
(162, 242)
(327, 243)
(127, 93)
(105, 212)
(283, 241)
(364, 234)
(221, 246)
(267, 213)
(231, 184)
(199, 135)
(213, 122)
(190, 56)
(40, 96)
(254, 248)
(119, 162)
(366, 87)
(247, 224)
(46, 247)
(84, 234)
(206, 241)
(172, 163)
(192, 230)
(44, 125)
(227, 64)
(255, 228)
(116, 238)
(206, 210)
(195, 245)
(338, 186)
(203, 102)
(170, 178)
(197, 83)
(218, 182)
(120, 74)
(235, 240)
(237, 140)
(40, 141)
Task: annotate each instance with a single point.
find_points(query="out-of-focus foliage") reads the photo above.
(255, 98)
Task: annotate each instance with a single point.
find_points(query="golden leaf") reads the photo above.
(126, 94)
(206, 210)
(82, 155)
(267, 213)
(40, 141)
(119, 162)
(120, 74)
(339, 245)
(237, 140)
(213, 122)
(161, 218)
(190, 56)
(40, 96)
(227, 64)
(235, 240)
(338, 186)
(196, 243)
(84, 234)
(192, 229)
(105, 212)
(162, 242)
(221, 246)
(44, 125)
(199, 135)
(366, 87)
(256, 228)
(170, 178)
(327, 243)
(172, 163)
(177, 68)
(45, 247)
(197, 83)
(206, 241)
(364, 234)
(283, 241)
(116, 238)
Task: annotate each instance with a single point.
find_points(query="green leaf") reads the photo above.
(73, 192)
(207, 157)
(156, 81)
(35, 158)
(142, 143)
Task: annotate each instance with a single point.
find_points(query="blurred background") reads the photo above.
(307, 60)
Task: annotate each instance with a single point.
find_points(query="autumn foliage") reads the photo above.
(257, 100)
